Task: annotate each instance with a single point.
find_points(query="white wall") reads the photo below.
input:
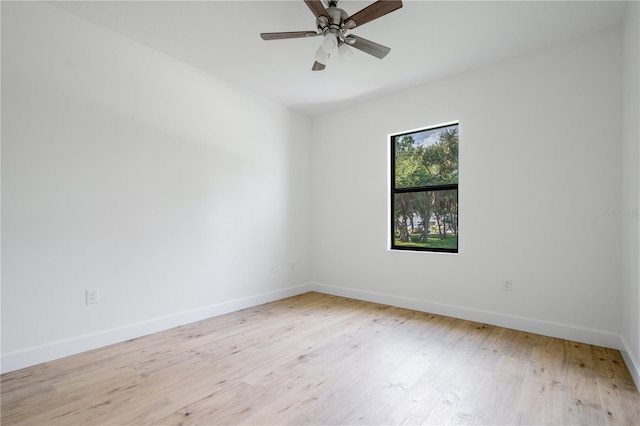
(630, 206)
(540, 158)
(170, 191)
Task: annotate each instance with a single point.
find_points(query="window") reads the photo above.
(424, 189)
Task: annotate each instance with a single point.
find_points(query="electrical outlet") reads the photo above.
(91, 297)
(507, 285)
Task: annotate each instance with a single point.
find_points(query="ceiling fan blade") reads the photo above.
(317, 66)
(367, 46)
(317, 8)
(374, 11)
(288, 34)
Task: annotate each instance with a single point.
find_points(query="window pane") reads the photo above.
(426, 220)
(426, 157)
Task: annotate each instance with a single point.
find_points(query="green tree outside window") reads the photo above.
(424, 198)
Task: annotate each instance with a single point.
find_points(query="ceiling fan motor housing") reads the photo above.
(334, 24)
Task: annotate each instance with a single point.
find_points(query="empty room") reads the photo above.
(319, 212)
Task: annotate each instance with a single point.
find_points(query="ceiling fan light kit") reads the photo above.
(321, 56)
(330, 42)
(333, 24)
(344, 52)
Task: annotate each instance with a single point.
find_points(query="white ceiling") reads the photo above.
(428, 40)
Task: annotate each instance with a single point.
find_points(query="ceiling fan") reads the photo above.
(333, 24)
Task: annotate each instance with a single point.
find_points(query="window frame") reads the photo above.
(418, 189)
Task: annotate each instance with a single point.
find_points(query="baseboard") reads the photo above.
(632, 362)
(546, 328)
(59, 349)
(54, 350)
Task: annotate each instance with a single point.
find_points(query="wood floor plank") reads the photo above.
(320, 359)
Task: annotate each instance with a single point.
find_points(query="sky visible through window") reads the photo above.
(430, 137)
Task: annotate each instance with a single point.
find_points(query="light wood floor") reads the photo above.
(319, 359)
